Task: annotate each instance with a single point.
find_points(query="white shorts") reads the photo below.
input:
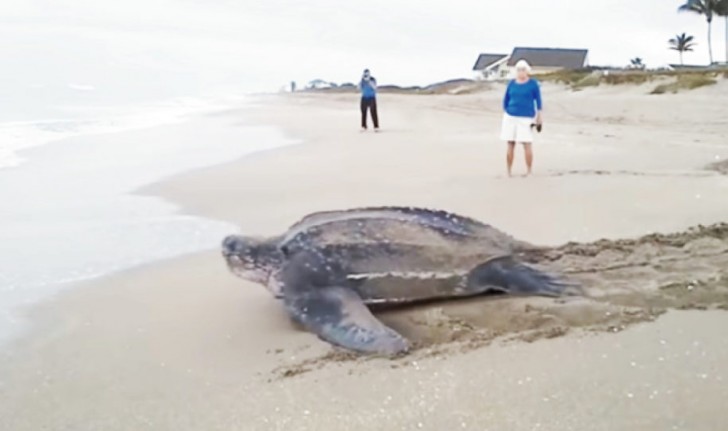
(516, 129)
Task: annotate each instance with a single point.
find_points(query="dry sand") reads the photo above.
(183, 345)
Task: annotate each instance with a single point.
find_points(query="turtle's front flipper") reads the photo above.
(512, 277)
(339, 316)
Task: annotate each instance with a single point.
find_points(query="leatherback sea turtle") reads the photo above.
(327, 267)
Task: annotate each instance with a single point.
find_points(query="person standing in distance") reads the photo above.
(368, 87)
(522, 107)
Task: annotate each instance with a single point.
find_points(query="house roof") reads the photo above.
(486, 60)
(549, 57)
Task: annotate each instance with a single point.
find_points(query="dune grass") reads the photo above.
(579, 79)
(686, 81)
(683, 80)
(634, 78)
(568, 77)
(590, 80)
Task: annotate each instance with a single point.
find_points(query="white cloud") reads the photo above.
(81, 87)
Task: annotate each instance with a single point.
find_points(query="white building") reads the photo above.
(491, 66)
(542, 60)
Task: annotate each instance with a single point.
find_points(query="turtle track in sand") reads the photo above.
(627, 281)
(721, 167)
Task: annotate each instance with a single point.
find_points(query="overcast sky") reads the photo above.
(263, 44)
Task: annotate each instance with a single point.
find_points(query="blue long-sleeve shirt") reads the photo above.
(522, 100)
(368, 88)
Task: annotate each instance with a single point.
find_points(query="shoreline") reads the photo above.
(103, 120)
(182, 344)
(84, 190)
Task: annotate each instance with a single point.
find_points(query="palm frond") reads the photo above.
(682, 42)
(701, 7)
(721, 8)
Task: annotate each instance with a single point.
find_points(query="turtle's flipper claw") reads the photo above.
(339, 316)
(513, 277)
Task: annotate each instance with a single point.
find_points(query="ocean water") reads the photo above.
(67, 211)
(31, 129)
(119, 79)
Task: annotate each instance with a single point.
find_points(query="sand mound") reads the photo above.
(720, 167)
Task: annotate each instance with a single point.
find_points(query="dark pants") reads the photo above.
(371, 104)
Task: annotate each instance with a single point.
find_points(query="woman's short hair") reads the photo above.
(523, 64)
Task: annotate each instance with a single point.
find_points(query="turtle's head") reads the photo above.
(253, 259)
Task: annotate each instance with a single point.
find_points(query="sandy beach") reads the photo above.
(629, 191)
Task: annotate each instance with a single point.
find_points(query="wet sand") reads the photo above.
(185, 345)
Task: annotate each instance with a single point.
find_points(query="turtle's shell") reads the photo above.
(395, 225)
(399, 253)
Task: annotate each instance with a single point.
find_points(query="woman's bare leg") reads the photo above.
(509, 156)
(528, 150)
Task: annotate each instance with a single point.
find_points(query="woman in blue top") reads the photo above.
(522, 110)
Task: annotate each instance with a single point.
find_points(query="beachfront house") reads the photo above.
(491, 66)
(318, 84)
(542, 60)
(695, 67)
(545, 60)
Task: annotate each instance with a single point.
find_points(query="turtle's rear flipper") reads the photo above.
(339, 316)
(512, 277)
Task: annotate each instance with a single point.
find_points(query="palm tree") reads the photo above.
(721, 9)
(682, 43)
(708, 9)
(637, 63)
